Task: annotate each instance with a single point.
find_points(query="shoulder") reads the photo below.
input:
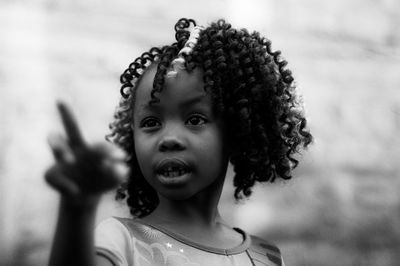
(112, 226)
(125, 230)
(122, 225)
(265, 252)
(114, 240)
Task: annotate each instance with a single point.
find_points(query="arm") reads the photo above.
(81, 174)
(73, 240)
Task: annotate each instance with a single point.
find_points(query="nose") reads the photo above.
(171, 142)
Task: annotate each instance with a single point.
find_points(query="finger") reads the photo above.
(109, 151)
(121, 172)
(118, 171)
(111, 175)
(55, 178)
(71, 126)
(60, 149)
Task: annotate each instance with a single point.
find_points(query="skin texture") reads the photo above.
(81, 173)
(184, 126)
(245, 77)
(181, 126)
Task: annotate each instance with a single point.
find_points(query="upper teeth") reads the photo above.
(174, 170)
(170, 171)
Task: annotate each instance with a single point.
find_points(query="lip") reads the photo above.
(171, 162)
(172, 180)
(176, 181)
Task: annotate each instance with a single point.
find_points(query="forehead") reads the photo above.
(184, 86)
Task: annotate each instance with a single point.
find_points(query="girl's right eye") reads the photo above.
(150, 123)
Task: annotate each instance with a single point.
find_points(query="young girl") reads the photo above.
(215, 96)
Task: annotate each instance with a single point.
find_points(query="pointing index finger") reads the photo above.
(70, 125)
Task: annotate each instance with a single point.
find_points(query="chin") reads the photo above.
(177, 194)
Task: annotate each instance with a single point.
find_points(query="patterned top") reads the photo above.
(131, 242)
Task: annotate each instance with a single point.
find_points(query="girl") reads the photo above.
(215, 96)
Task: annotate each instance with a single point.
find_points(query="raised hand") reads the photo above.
(83, 170)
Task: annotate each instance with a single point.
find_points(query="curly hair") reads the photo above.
(248, 83)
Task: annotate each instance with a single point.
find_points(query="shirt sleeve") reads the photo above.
(113, 241)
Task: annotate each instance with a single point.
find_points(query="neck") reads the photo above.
(200, 210)
(191, 212)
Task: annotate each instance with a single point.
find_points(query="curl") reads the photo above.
(250, 86)
(178, 63)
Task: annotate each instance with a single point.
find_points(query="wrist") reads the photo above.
(87, 203)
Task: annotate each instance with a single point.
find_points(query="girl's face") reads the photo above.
(179, 142)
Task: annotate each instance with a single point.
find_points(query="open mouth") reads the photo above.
(172, 168)
(173, 172)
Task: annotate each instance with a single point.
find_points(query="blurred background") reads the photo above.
(342, 207)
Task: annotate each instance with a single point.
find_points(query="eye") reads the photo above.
(196, 120)
(150, 122)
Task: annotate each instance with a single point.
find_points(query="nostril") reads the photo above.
(171, 143)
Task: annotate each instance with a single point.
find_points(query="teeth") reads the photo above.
(170, 173)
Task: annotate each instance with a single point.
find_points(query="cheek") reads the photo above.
(143, 154)
(213, 147)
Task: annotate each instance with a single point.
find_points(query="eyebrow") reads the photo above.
(188, 102)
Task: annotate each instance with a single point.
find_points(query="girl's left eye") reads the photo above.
(196, 120)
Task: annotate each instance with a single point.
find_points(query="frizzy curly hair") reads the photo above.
(249, 84)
